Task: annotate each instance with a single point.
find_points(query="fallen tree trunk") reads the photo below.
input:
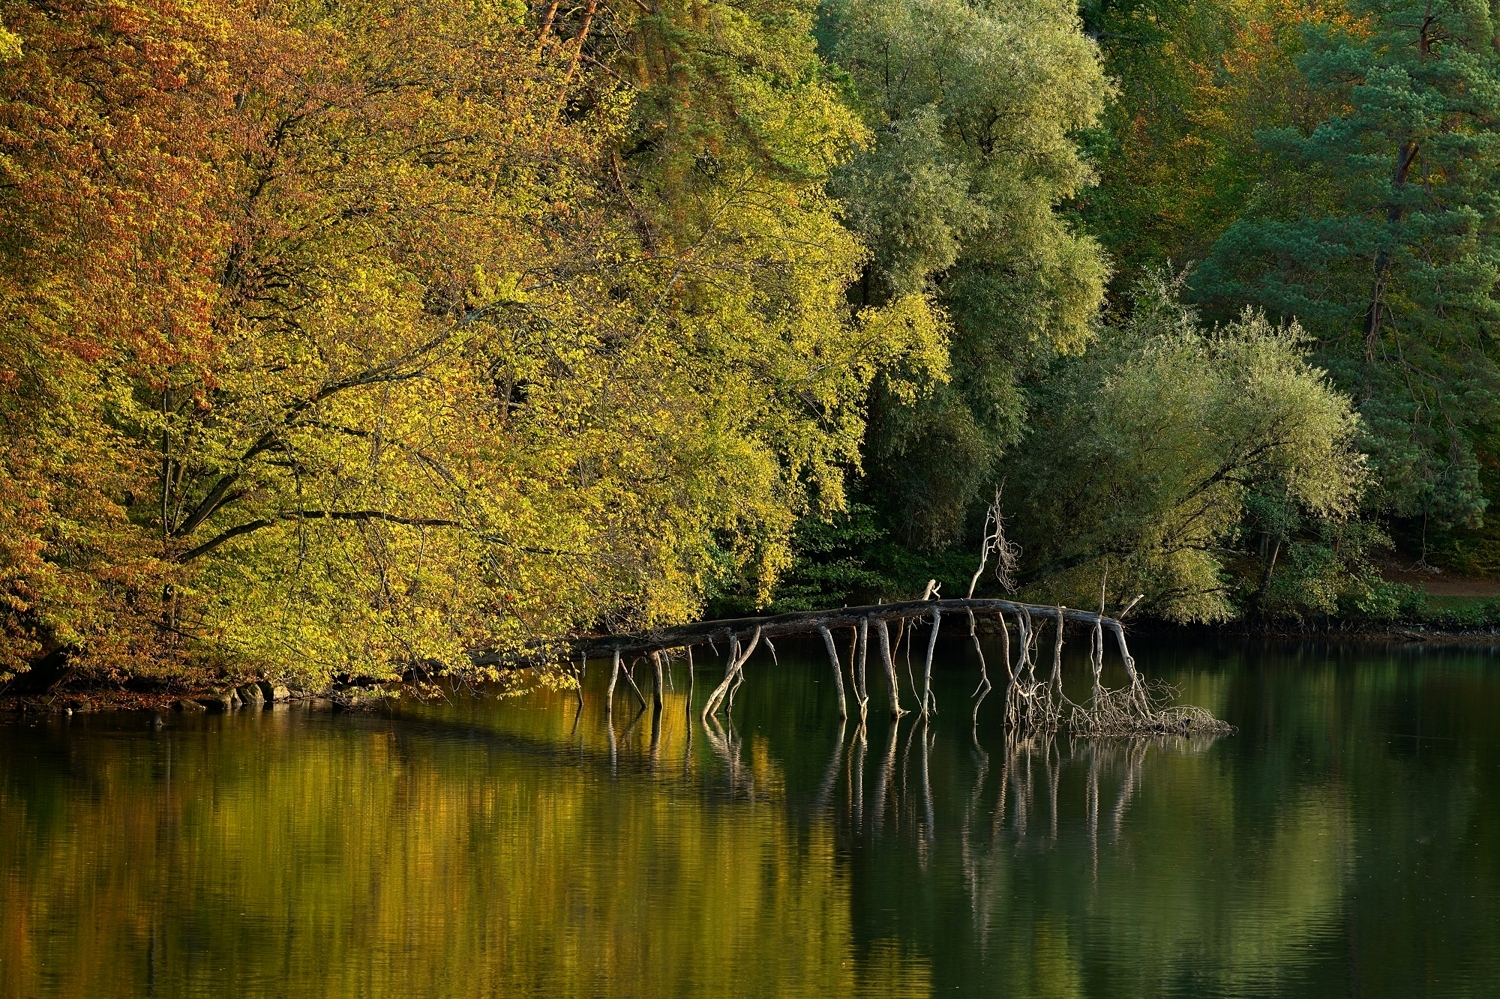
(796, 623)
(1032, 703)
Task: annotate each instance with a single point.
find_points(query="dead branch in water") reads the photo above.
(795, 623)
(1032, 704)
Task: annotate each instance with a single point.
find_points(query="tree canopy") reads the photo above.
(351, 339)
(975, 110)
(339, 339)
(1148, 456)
(1378, 231)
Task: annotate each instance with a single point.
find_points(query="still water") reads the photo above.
(1346, 842)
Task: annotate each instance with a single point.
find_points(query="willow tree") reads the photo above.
(1146, 457)
(974, 109)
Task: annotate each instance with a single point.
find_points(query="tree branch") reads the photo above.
(354, 515)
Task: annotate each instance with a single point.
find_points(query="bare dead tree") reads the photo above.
(1033, 704)
(1007, 553)
(927, 702)
(892, 683)
(732, 670)
(1035, 700)
(838, 672)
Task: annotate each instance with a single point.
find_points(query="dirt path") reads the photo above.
(1440, 584)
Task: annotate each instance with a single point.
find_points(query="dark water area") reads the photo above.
(1345, 842)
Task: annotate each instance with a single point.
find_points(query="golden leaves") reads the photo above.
(390, 357)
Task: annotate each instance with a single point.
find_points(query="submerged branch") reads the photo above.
(1033, 704)
(795, 623)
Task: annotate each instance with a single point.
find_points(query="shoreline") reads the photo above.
(59, 699)
(1362, 633)
(187, 700)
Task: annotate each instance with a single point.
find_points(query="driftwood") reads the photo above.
(1034, 704)
(1034, 697)
(806, 623)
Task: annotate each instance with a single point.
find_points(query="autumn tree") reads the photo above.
(1176, 149)
(110, 225)
(410, 329)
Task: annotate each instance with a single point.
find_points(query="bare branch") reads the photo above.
(349, 515)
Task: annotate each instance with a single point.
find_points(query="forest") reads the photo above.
(341, 337)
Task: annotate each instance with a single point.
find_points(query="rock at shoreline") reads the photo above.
(188, 707)
(222, 701)
(251, 696)
(275, 692)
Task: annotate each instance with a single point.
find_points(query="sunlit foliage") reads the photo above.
(975, 110)
(339, 339)
(1145, 456)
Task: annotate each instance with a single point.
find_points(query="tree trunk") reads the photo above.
(1393, 215)
(614, 675)
(937, 615)
(838, 673)
(892, 684)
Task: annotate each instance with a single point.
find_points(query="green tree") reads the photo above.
(1376, 227)
(975, 110)
(1146, 455)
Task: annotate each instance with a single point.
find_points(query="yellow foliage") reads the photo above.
(448, 362)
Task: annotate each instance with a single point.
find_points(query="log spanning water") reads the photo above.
(1034, 697)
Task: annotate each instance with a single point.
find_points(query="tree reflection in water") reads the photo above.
(1345, 842)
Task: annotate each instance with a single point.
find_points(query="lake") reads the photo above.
(1344, 842)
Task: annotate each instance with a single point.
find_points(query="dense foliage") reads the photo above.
(975, 110)
(351, 338)
(342, 338)
(1148, 455)
(1327, 164)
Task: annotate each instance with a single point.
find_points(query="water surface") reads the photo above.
(1346, 842)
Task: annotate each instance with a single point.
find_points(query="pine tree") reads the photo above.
(1379, 229)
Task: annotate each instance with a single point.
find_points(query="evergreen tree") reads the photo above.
(1377, 229)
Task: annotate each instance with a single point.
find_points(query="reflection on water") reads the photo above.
(1345, 843)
